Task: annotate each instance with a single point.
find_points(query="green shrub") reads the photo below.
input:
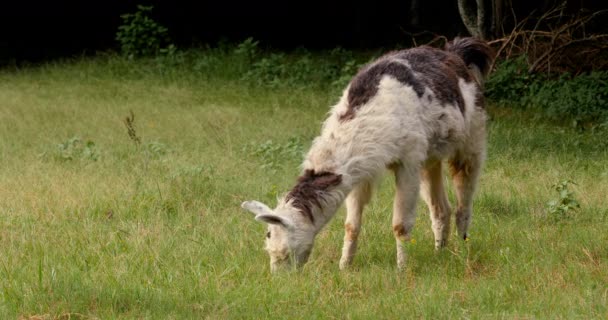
(301, 69)
(347, 72)
(155, 149)
(247, 51)
(75, 149)
(510, 83)
(269, 71)
(565, 204)
(581, 100)
(140, 35)
(298, 69)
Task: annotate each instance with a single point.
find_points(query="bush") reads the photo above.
(270, 71)
(565, 204)
(297, 69)
(76, 149)
(247, 51)
(140, 35)
(581, 100)
(510, 83)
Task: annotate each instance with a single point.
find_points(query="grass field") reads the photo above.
(96, 225)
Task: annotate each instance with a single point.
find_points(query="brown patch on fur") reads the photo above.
(351, 233)
(399, 232)
(308, 192)
(439, 71)
(364, 85)
(394, 166)
(427, 67)
(459, 168)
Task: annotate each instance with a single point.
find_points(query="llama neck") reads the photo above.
(330, 203)
(318, 195)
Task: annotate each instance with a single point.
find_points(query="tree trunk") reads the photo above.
(415, 13)
(481, 20)
(473, 15)
(468, 14)
(497, 12)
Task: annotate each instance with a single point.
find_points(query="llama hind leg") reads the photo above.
(355, 202)
(465, 173)
(433, 193)
(404, 208)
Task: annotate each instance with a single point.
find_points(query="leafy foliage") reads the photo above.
(348, 70)
(155, 149)
(300, 69)
(565, 204)
(140, 35)
(273, 154)
(510, 83)
(581, 100)
(269, 71)
(74, 149)
(247, 50)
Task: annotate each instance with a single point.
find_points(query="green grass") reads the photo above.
(155, 230)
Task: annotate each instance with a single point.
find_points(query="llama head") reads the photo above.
(289, 239)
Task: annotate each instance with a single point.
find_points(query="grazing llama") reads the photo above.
(406, 111)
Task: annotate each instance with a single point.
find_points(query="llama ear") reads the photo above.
(264, 214)
(275, 219)
(256, 207)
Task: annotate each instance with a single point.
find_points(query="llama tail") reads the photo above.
(475, 53)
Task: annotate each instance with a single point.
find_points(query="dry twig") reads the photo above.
(556, 43)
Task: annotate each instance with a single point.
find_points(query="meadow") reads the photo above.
(107, 218)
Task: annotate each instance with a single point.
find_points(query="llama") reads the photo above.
(407, 112)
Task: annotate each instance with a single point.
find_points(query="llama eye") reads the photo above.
(268, 234)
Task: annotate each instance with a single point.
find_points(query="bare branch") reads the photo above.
(556, 42)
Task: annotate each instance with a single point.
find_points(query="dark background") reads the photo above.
(42, 30)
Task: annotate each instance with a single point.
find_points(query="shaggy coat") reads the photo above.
(407, 111)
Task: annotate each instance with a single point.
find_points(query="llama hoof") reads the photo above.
(345, 264)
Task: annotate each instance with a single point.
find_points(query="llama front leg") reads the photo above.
(355, 202)
(404, 208)
(433, 193)
(465, 172)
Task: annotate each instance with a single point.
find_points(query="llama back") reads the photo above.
(416, 104)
